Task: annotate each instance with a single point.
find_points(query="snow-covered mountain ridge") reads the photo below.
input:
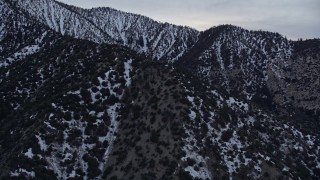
(106, 25)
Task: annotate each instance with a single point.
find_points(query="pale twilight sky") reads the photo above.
(291, 18)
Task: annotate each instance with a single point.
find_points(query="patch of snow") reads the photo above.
(296, 132)
(2, 31)
(286, 169)
(21, 54)
(229, 146)
(42, 143)
(145, 46)
(298, 147)
(53, 10)
(191, 149)
(24, 52)
(73, 174)
(192, 115)
(49, 125)
(257, 167)
(100, 114)
(310, 142)
(46, 16)
(203, 172)
(111, 136)
(127, 70)
(220, 98)
(75, 92)
(232, 102)
(8, 73)
(29, 153)
(62, 22)
(53, 105)
(40, 39)
(119, 25)
(191, 99)
(250, 120)
(17, 173)
(54, 165)
(156, 42)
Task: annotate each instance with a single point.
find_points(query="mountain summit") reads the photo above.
(103, 94)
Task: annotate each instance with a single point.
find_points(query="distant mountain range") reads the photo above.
(104, 94)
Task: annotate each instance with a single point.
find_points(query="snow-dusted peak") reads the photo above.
(158, 40)
(107, 25)
(238, 59)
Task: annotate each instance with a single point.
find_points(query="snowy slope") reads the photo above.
(239, 60)
(85, 128)
(20, 36)
(159, 40)
(62, 20)
(106, 25)
(95, 112)
(261, 66)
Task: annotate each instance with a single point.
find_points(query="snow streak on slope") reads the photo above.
(113, 113)
(2, 31)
